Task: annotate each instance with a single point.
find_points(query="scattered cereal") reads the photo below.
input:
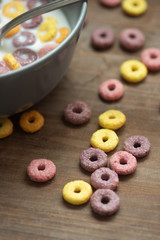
(77, 192)
(123, 163)
(6, 127)
(31, 121)
(151, 58)
(92, 159)
(102, 38)
(110, 3)
(104, 139)
(104, 178)
(112, 119)
(105, 202)
(134, 7)
(41, 170)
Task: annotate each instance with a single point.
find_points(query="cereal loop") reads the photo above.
(123, 163)
(11, 62)
(3, 67)
(31, 121)
(77, 192)
(133, 71)
(138, 146)
(47, 31)
(112, 119)
(41, 170)
(104, 139)
(12, 32)
(111, 90)
(46, 49)
(6, 127)
(64, 32)
(35, 3)
(105, 202)
(134, 7)
(102, 38)
(104, 178)
(77, 113)
(24, 39)
(25, 56)
(13, 9)
(110, 3)
(92, 159)
(32, 23)
(151, 58)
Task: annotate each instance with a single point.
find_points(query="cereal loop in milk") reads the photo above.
(32, 35)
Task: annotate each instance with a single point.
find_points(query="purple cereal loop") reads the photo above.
(104, 178)
(29, 39)
(111, 90)
(77, 113)
(110, 3)
(92, 159)
(123, 163)
(41, 170)
(132, 39)
(138, 146)
(32, 3)
(3, 67)
(105, 202)
(32, 23)
(19, 53)
(102, 38)
(151, 58)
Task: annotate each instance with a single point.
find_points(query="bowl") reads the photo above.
(20, 89)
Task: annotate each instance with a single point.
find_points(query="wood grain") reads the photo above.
(37, 211)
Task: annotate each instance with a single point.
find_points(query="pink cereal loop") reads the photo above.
(123, 163)
(110, 3)
(151, 58)
(41, 170)
(111, 90)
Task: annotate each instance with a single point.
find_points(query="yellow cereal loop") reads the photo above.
(51, 20)
(134, 7)
(47, 31)
(77, 192)
(11, 62)
(133, 71)
(13, 9)
(31, 121)
(64, 32)
(104, 139)
(6, 127)
(12, 32)
(112, 119)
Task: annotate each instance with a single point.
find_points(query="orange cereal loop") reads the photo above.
(12, 32)
(13, 9)
(6, 127)
(11, 62)
(31, 121)
(64, 32)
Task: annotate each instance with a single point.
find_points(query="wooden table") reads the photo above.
(37, 211)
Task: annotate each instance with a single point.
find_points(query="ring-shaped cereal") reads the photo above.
(11, 62)
(123, 163)
(134, 7)
(6, 127)
(92, 159)
(151, 58)
(112, 119)
(102, 38)
(133, 71)
(32, 23)
(47, 31)
(35, 3)
(31, 121)
(12, 32)
(104, 139)
(25, 56)
(13, 9)
(111, 90)
(41, 170)
(110, 3)
(24, 39)
(105, 202)
(64, 32)
(104, 178)
(3, 67)
(138, 146)
(77, 192)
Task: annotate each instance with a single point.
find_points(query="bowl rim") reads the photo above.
(54, 52)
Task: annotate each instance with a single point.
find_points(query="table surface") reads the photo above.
(36, 211)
